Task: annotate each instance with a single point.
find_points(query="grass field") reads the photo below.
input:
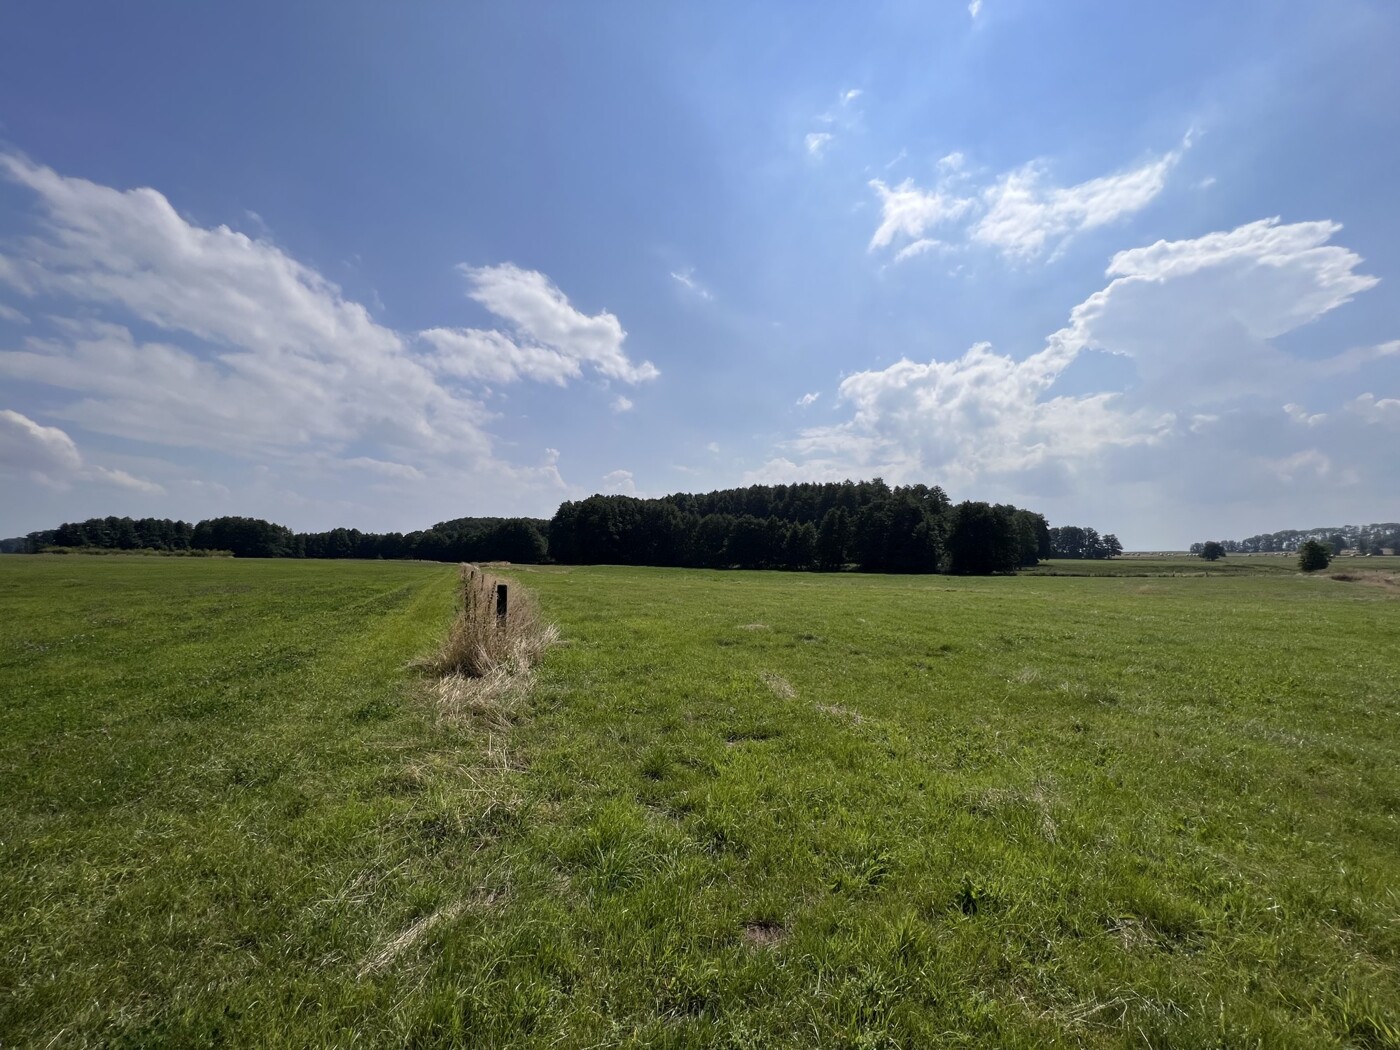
(738, 809)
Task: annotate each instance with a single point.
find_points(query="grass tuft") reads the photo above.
(484, 665)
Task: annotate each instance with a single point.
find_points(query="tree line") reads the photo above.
(868, 525)
(1364, 539)
(463, 539)
(825, 527)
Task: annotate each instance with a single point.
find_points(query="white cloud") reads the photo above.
(50, 456)
(843, 116)
(1376, 410)
(542, 314)
(979, 414)
(1023, 214)
(807, 399)
(250, 353)
(289, 359)
(907, 211)
(1299, 414)
(621, 404)
(493, 357)
(1019, 213)
(686, 278)
(9, 313)
(28, 446)
(923, 244)
(122, 479)
(620, 482)
(1309, 462)
(400, 471)
(974, 8)
(1196, 318)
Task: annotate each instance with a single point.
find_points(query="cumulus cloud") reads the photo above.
(50, 456)
(1376, 410)
(1196, 318)
(1019, 213)
(27, 445)
(620, 482)
(543, 316)
(621, 404)
(1299, 414)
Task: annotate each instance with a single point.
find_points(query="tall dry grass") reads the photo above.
(484, 665)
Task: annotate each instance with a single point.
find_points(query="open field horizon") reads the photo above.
(1151, 806)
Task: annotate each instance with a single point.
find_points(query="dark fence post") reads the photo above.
(500, 603)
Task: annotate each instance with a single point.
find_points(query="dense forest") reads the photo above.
(1364, 539)
(824, 527)
(463, 539)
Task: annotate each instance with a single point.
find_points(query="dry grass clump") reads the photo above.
(484, 664)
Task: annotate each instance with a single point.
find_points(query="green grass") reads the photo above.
(741, 809)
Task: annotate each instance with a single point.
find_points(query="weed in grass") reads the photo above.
(484, 665)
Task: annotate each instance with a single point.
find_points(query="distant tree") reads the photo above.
(1212, 551)
(800, 546)
(1111, 546)
(833, 538)
(1314, 555)
(982, 540)
(710, 547)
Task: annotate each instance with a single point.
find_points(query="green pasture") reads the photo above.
(737, 810)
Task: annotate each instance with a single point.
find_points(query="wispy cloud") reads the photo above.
(907, 211)
(817, 142)
(686, 278)
(974, 8)
(841, 117)
(1020, 213)
(807, 399)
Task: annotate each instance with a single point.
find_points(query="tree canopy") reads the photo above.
(868, 526)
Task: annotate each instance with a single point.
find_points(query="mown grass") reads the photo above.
(738, 809)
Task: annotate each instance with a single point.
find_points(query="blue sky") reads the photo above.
(383, 265)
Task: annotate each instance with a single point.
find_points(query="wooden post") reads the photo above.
(500, 604)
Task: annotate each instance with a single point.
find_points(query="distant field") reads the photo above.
(741, 809)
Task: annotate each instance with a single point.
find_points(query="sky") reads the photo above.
(379, 266)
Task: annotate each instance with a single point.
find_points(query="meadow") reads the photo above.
(1145, 807)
